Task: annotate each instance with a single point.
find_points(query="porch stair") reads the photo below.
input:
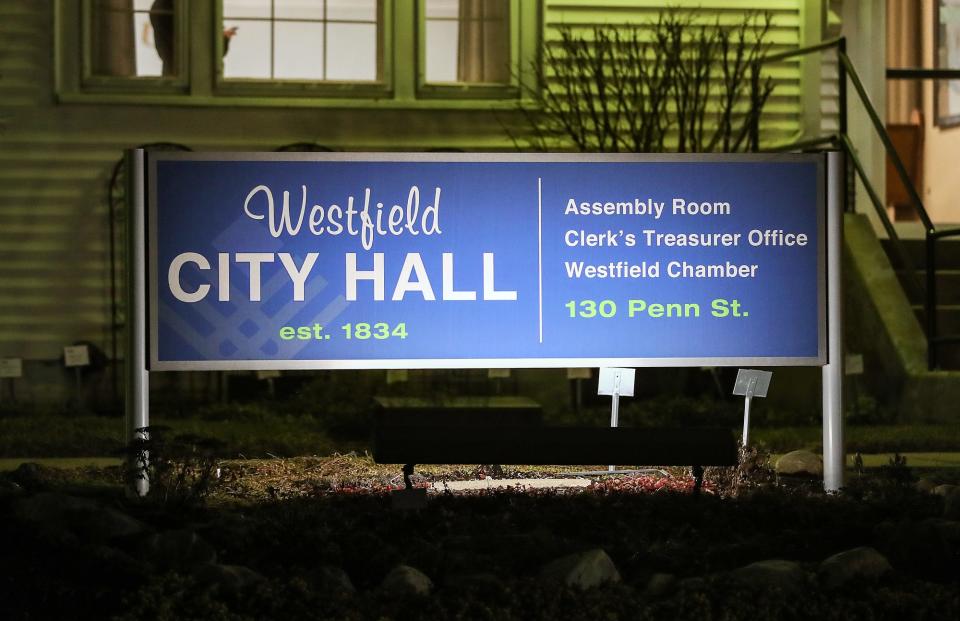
(948, 290)
(884, 325)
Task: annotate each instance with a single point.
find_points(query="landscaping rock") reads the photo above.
(925, 485)
(177, 549)
(695, 583)
(862, 565)
(944, 490)
(800, 463)
(112, 560)
(786, 575)
(104, 524)
(951, 504)
(9, 489)
(47, 507)
(659, 585)
(232, 578)
(59, 514)
(949, 531)
(331, 579)
(586, 570)
(30, 475)
(406, 580)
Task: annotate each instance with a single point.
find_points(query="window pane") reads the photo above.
(129, 43)
(352, 10)
(352, 52)
(249, 53)
(246, 8)
(442, 51)
(149, 62)
(299, 51)
(310, 40)
(299, 9)
(443, 9)
(478, 50)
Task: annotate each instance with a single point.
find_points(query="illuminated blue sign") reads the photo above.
(484, 260)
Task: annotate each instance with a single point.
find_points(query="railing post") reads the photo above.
(842, 84)
(849, 197)
(930, 308)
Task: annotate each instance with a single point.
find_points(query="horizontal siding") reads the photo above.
(829, 80)
(782, 114)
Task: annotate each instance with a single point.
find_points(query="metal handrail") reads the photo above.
(846, 70)
(919, 73)
(887, 142)
(802, 51)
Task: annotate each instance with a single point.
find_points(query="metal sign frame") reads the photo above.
(831, 182)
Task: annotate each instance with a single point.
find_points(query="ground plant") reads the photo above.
(180, 469)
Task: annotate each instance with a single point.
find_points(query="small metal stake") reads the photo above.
(746, 410)
(615, 411)
(750, 383)
(615, 382)
(79, 386)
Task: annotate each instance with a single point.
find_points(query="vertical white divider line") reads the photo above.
(540, 251)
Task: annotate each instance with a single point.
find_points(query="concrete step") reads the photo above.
(948, 286)
(948, 253)
(948, 324)
(948, 318)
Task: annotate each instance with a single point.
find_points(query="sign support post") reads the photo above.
(833, 454)
(137, 385)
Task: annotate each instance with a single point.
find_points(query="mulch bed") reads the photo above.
(286, 520)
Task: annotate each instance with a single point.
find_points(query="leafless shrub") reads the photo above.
(671, 85)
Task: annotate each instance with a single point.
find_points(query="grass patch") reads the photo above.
(864, 439)
(264, 435)
(92, 436)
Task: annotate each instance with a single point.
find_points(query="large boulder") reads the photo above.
(800, 463)
(774, 573)
(585, 570)
(862, 565)
(405, 580)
